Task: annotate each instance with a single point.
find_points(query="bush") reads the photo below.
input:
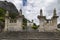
(35, 27)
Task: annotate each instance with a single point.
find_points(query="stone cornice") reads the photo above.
(40, 17)
(19, 16)
(54, 17)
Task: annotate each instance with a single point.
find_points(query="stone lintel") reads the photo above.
(47, 20)
(20, 16)
(55, 17)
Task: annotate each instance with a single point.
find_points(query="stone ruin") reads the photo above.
(46, 25)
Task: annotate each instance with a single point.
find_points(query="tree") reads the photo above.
(2, 17)
(2, 14)
(13, 15)
(34, 26)
(2, 20)
(24, 23)
(58, 25)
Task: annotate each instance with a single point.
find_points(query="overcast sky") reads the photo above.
(31, 11)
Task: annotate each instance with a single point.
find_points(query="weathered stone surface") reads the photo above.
(30, 36)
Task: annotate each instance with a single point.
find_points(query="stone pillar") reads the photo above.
(41, 21)
(19, 24)
(54, 20)
(20, 21)
(6, 21)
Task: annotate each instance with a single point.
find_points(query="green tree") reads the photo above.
(13, 15)
(2, 20)
(2, 14)
(34, 26)
(24, 23)
(58, 25)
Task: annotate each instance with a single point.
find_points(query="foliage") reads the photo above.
(13, 15)
(24, 23)
(58, 25)
(23, 27)
(2, 14)
(34, 26)
(57, 30)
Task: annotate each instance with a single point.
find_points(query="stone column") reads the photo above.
(19, 24)
(54, 20)
(6, 21)
(20, 20)
(41, 21)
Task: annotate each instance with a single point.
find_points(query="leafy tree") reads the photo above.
(13, 15)
(2, 17)
(34, 26)
(58, 25)
(2, 14)
(24, 23)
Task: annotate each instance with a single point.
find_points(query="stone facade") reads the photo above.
(42, 21)
(13, 24)
(48, 24)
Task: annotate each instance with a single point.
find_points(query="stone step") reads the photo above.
(31, 39)
(30, 35)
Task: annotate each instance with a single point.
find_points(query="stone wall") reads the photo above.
(30, 36)
(14, 26)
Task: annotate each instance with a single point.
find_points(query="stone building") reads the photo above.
(13, 24)
(47, 24)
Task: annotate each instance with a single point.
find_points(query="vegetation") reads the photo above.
(34, 26)
(2, 17)
(24, 23)
(2, 20)
(2, 14)
(58, 25)
(13, 15)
